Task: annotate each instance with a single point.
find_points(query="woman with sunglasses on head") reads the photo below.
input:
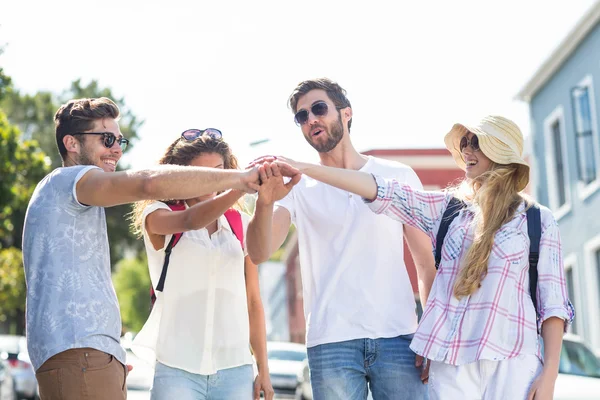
(209, 313)
(479, 328)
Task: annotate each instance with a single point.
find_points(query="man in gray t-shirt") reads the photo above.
(73, 320)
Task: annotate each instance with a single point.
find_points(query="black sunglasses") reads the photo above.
(474, 143)
(319, 109)
(193, 134)
(109, 139)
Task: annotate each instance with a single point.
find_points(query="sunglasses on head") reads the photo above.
(473, 142)
(193, 134)
(319, 109)
(109, 139)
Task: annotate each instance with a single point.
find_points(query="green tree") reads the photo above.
(132, 284)
(34, 114)
(22, 165)
(12, 290)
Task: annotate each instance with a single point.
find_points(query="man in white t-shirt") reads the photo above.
(358, 301)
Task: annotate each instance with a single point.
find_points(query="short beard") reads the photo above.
(336, 133)
(84, 157)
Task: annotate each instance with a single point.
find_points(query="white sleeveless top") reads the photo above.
(200, 322)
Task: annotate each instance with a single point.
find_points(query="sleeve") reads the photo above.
(157, 205)
(77, 173)
(417, 208)
(552, 295)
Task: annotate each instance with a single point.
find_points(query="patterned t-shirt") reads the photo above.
(71, 302)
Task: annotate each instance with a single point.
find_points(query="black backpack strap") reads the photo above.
(454, 206)
(163, 274)
(534, 230)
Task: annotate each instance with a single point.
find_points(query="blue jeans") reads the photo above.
(341, 371)
(174, 383)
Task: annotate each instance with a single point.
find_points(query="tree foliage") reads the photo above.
(22, 166)
(12, 284)
(132, 284)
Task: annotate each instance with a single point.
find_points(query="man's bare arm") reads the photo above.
(267, 231)
(420, 248)
(106, 189)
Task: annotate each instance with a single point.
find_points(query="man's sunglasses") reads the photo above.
(474, 143)
(319, 109)
(109, 139)
(193, 134)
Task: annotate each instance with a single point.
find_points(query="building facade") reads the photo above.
(565, 152)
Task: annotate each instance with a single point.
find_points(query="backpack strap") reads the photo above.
(174, 240)
(454, 206)
(235, 222)
(534, 230)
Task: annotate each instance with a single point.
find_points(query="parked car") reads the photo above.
(303, 388)
(7, 387)
(578, 371)
(285, 363)
(21, 369)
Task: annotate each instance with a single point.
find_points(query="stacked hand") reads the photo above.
(270, 184)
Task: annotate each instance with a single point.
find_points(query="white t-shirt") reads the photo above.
(354, 279)
(199, 322)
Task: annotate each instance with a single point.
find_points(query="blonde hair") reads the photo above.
(495, 192)
(183, 152)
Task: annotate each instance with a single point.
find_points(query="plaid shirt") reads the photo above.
(498, 321)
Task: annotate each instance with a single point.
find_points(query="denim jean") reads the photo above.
(174, 383)
(342, 371)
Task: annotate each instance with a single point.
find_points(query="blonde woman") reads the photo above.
(479, 328)
(209, 311)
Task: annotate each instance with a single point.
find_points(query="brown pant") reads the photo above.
(82, 374)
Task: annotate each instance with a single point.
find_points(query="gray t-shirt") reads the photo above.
(71, 302)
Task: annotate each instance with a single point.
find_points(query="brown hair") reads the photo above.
(334, 91)
(183, 152)
(79, 115)
(495, 191)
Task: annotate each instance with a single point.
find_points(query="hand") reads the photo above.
(288, 166)
(542, 387)
(263, 383)
(419, 361)
(272, 187)
(249, 182)
(129, 368)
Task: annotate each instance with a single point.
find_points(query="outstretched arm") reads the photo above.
(357, 182)
(397, 200)
(198, 216)
(106, 189)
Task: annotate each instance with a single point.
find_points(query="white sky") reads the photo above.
(411, 69)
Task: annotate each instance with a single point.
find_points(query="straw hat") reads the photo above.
(500, 140)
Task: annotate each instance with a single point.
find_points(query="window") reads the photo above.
(570, 278)
(590, 286)
(556, 163)
(560, 168)
(586, 138)
(597, 283)
(573, 290)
